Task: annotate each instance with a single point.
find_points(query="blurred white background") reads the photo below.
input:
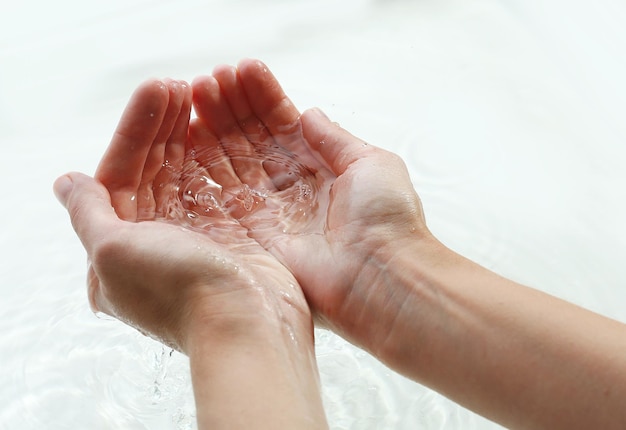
(509, 114)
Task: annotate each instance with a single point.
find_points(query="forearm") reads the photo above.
(511, 353)
(260, 373)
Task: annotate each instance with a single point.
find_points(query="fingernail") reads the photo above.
(62, 188)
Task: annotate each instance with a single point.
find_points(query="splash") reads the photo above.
(261, 185)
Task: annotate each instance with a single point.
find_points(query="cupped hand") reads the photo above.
(147, 267)
(368, 206)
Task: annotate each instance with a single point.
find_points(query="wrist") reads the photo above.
(245, 315)
(396, 287)
(253, 366)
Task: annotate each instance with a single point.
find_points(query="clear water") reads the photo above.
(508, 113)
(284, 192)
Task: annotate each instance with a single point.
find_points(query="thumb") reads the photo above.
(62, 188)
(337, 146)
(88, 204)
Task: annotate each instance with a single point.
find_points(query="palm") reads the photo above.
(142, 173)
(246, 111)
(361, 209)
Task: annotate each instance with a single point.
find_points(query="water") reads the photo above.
(508, 114)
(260, 183)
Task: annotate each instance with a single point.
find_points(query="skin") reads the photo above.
(224, 301)
(377, 275)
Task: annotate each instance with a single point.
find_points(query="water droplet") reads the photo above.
(304, 193)
(207, 201)
(246, 198)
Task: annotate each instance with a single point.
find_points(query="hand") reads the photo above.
(376, 274)
(371, 210)
(157, 276)
(217, 295)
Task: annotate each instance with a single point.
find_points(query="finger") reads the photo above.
(275, 110)
(211, 156)
(175, 148)
(267, 99)
(230, 86)
(121, 167)
(337, 147)
(166, 181)
(156, 155)
(247, 156)
(213, 108)
(89, 206)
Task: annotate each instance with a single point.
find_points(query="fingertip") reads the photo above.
(318, 113)
(177, 87)
(65, 185)
(256, 73)
(200, 82)
(246, 64)
(187, 91)
(154, 85)
(338, 147)
(88, 203)
(153, 92)
(62, 188)
(316, 125)
(223, 69)
(185, 85)
(173, 86)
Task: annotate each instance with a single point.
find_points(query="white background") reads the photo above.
(509, 114)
